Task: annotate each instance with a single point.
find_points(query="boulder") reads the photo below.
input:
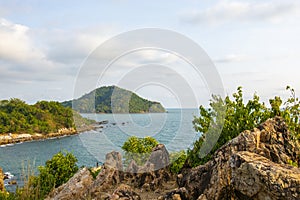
(159, 157)
(114, 160)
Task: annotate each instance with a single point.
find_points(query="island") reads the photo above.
(113, 99)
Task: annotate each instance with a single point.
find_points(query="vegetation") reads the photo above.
(138, 149)
(57, 171)
(112, 99)
(94, 171)
(226, 118)
(177, 160)
(43, 117)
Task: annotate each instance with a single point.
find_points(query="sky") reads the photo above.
(44, 45)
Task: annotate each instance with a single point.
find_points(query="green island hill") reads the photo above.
(112, 99)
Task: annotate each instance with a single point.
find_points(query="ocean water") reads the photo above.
(174, 129)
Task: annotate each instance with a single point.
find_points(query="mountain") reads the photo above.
(112, 99)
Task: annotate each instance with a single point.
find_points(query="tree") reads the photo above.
(226, 118)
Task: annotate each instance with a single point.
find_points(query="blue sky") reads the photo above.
(43, 44)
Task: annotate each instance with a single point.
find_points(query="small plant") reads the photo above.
(292, 163)
(94, 171)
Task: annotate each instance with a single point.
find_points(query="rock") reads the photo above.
(114, 160)
(159, 157)
(153, 173)
(256, 177)
(176, 197)
(12, 182)
(111, 175)
(254, 165)
(178, 194)
(125, 192)
(76, 188)
(132, 167)
(2, 188)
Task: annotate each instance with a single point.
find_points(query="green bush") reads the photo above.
(138, 149)
(177, 160)
(57, 171)
(226, 118)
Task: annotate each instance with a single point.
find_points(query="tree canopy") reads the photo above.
(43, 117)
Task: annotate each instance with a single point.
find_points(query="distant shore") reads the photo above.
(13, 138)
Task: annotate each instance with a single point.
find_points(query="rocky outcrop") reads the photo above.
(75, 188)
(115, 182)
(254, 165)
(2, 188)
(153, 174)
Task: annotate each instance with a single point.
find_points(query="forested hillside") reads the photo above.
(101, 100)
(43, 117)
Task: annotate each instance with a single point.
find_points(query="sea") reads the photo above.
(173, 128)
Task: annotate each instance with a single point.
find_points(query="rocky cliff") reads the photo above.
(255, 165)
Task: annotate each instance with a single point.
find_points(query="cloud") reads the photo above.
(242, 11)
(15, 43)
(73, 46)
(29, 55)
(20, 56)
(231, 58)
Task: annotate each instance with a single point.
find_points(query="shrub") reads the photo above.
(226, 118)
(177, 160)
(57, 171)
(138, 149)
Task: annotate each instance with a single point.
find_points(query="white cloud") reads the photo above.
(242, 11)
(16, 44)
(21, 58)
(73, 46)
(231, 58)
(43, 54)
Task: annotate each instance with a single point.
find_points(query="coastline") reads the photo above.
(14, 138)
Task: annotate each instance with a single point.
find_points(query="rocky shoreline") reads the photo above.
(14, 138)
